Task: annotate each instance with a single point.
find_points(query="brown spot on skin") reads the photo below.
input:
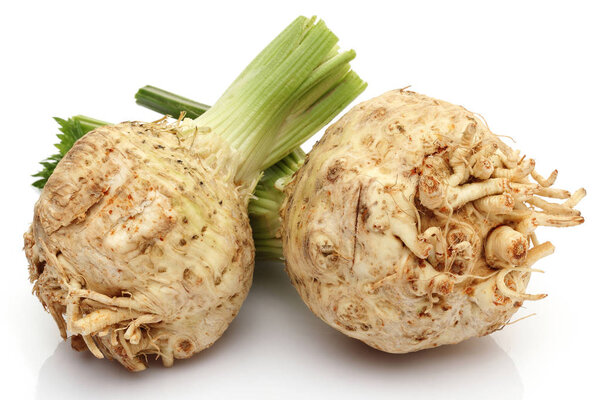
(335, 170)
(185, 346)
(445, 288)
(377, 114)
(429, 184)
(396, 127)
(334, 130)
(77, 343)
(237, 254)
(120, 351)
(367, 140)
(39, 267)
(191, 278)
(519, 250)
(511, 284)
(458, 267)
(440, 149)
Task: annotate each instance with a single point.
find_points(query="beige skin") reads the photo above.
(140, 244)
(411, 225)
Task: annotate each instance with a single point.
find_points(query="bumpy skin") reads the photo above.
(386, 225)
(140, 246)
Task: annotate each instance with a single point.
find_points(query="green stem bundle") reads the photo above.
(295, 86)
(263, 209)
(168, 103)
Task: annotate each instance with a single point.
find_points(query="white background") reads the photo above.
(531, 68)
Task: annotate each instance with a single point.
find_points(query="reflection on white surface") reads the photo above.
(277, 348)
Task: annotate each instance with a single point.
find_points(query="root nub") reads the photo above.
(507, 192)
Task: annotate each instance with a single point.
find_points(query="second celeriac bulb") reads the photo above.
(411, 225)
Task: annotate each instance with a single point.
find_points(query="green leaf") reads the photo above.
(71, 130)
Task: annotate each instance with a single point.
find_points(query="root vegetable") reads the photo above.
(140, 243)
(411, 225)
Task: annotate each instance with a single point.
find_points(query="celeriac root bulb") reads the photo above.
(141, 246)
(411, 225)
(140, 243)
